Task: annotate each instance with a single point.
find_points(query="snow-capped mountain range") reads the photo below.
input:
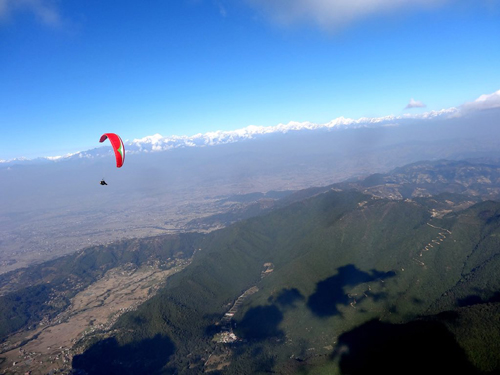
(157, 142)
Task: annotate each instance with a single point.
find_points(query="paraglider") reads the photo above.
(118, 148)
(117, 144)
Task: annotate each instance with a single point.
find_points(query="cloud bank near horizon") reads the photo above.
(484, 102)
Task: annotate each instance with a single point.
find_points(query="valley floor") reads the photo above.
(53, 343)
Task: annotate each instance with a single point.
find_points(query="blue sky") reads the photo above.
(71, 70)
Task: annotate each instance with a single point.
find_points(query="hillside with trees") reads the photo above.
(340, 261)
(375, 274)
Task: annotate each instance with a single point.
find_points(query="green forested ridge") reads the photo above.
(230, 261)
(477, 229)
(23, 307)
(341, 260)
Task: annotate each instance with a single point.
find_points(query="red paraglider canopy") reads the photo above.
(117, 144)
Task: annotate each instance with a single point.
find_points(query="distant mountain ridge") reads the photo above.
(160, 143)
(478, 178)
(157, 142)
(474, 180)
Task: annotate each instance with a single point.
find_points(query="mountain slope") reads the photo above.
(161, 192)
(338, 260)
(29, 295)
(297, 284)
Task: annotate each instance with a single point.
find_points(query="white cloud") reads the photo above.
(487, 101)
(332, 14)
(415, 104)
(45, 11)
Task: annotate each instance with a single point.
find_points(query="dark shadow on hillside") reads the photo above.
(419, 347)
(214, 328)
(107, 357)
(476, 300)
(330, 292)
(260, 323)
(287, 298)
